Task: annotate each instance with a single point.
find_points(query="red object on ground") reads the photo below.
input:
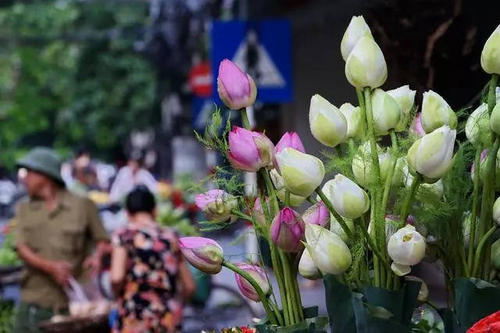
(489, 324)
(200, 80)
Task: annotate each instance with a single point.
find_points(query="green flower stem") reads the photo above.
(373, 246)
(298, 297)
(361, 101)
(275, 261)
(272, 193)
(263, 297)
(287, 297)
(488, 196)
(377, 194)
(281, 280)
(339, 218)
(287, 198)
(492, 92)
(475, 198)
(388, 181)
(352, 146)
(405, 210)
(276, 269)
(277, 311)
(244, 119)
(480, 249)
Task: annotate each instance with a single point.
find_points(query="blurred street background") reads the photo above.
(100, 81)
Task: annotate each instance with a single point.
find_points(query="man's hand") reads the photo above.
(61, 272)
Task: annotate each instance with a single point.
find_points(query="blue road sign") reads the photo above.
(261, 48)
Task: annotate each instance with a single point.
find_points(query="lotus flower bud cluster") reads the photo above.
(354, 118)
(405, 97)
(328, 251)
(258, 275)
(406, 248)
(477, 127)
(436, 112)
(203, 253)
(317, 214)
(328, 125)
(348, 199)
(302, 173)
(307, 267)
(386, 112)
(490, 61)
(432, 155)
(287, 230)
(249, 151)
(217, 205)
(236, 88)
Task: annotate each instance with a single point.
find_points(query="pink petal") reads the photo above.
(234, 80)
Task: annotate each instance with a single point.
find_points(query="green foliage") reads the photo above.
(215, 136)
(8, 256)
(66, 80)
(175, 218)
(7, 316)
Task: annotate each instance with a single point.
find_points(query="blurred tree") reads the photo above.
(69, 75)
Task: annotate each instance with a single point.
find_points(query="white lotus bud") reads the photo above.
(405, 97)
(355, 31)
(386, 112)
(328, 125)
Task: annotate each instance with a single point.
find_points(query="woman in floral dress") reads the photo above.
(148, 274)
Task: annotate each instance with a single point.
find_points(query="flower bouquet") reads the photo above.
(396, 175)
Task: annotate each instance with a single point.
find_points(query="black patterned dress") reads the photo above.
(150, 301)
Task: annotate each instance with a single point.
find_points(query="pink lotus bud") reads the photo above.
(216, 204)
(287, 230)
(203, 253)
(258, 212)
(259, 276)
(290, 140)
(236, 88)
(249, 150)
(317, 214)
(416, 126)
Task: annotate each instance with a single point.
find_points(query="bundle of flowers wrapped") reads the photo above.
(374, 218)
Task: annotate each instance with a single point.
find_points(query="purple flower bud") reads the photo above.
(203, 253)
(236, 88)
(290, 140)
(216, 204)
(317, 214)
(287, 230)
(259, 276)
(249, 150)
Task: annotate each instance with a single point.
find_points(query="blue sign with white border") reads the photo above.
(262, 49)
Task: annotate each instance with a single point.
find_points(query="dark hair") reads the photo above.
(140, 200)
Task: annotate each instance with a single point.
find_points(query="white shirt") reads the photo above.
(126, 181)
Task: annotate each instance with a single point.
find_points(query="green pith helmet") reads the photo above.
(43, 160)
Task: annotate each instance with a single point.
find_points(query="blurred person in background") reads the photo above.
(149, 276)
(56, 232)
(130, 176)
